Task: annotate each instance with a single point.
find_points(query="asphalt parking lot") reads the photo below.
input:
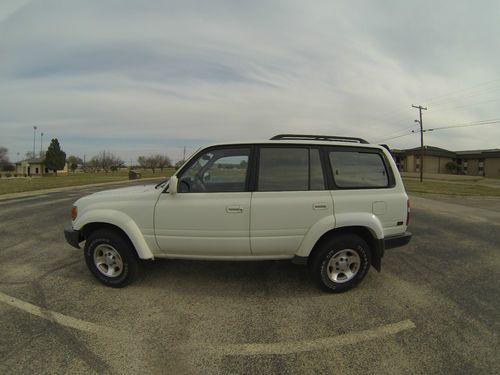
(434, 308)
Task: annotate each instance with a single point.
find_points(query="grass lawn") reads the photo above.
(16, 185)
(450, 188)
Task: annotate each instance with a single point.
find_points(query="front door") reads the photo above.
(210, 214)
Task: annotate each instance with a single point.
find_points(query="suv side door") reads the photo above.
(210, 214)
(289, 197)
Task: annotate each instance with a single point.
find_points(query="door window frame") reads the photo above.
(194, 159)
(391, 180)
(256, 165)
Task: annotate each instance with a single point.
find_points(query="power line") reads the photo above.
(452, 93)
(463, 125)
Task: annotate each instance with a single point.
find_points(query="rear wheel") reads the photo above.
(340, 262)
(111, 258)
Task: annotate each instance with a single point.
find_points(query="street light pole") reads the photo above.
(41, 144)
(34, 136)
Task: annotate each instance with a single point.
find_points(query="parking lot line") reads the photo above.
(56, 317)
(291, 347)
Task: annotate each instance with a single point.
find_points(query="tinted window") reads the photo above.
(221, 170)
(358, 170)
(287, 168)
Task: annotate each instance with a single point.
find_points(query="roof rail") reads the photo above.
(312, 137)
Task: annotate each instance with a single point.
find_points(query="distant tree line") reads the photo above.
(154, 162)
(105, 161)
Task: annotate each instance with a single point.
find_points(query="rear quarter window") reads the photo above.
(352, 169)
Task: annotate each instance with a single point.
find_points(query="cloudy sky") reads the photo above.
(137, 77)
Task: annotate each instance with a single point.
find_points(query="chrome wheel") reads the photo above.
(343, 266)
(108, 261)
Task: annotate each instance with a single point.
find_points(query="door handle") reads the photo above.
(320, 206)
(234, 209)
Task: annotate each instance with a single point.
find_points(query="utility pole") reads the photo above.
(41, 144)
(421, 140)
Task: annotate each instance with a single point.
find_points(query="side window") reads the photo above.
(219, 170)
(287, 169)
(358, 170)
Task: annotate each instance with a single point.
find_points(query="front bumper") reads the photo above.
(397, 241)
(72, 236)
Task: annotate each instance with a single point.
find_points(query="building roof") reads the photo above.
(32, 161)
(431, 151)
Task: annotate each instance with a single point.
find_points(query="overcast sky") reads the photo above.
(138, 77)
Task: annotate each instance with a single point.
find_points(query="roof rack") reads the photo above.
(312, 137)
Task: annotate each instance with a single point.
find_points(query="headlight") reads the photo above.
(74, 213)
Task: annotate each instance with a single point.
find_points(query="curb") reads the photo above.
(65, 188)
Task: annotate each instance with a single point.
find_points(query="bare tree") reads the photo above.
(106, 161)
(143, 162)
(162, 161)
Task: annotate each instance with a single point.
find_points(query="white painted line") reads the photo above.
(15, 200)
(56, 317)
(291, 347)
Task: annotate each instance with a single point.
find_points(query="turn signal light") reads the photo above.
(74, 212)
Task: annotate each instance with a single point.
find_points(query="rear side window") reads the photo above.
(289, 169)
(358, 169)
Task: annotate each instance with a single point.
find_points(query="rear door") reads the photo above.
(289, 198)
(363, 181)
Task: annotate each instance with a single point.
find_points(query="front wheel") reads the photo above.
(111, 258)
(340, 263)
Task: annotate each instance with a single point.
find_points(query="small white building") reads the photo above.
(36, 167)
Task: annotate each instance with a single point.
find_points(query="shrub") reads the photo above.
(8, 175)
(451, 167)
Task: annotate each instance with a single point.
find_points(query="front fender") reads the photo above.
(122, 221)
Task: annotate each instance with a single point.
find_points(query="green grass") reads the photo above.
(16, 185)
(450, 188)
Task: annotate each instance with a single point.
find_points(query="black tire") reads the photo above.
(347, 249)
(111, 245)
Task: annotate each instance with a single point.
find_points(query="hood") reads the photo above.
(126, 190)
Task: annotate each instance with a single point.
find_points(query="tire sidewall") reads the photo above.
(120, 246)
(333, 247)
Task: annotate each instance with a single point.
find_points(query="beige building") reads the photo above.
(435, 159)
(474, 163)
(35, 167)
(479, 162)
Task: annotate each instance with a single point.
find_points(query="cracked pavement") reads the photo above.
(194, 317)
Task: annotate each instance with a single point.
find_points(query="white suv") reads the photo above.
(333, 203)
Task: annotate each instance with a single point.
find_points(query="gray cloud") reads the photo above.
(226, 70)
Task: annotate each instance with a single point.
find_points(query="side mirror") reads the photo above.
(172, 185)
